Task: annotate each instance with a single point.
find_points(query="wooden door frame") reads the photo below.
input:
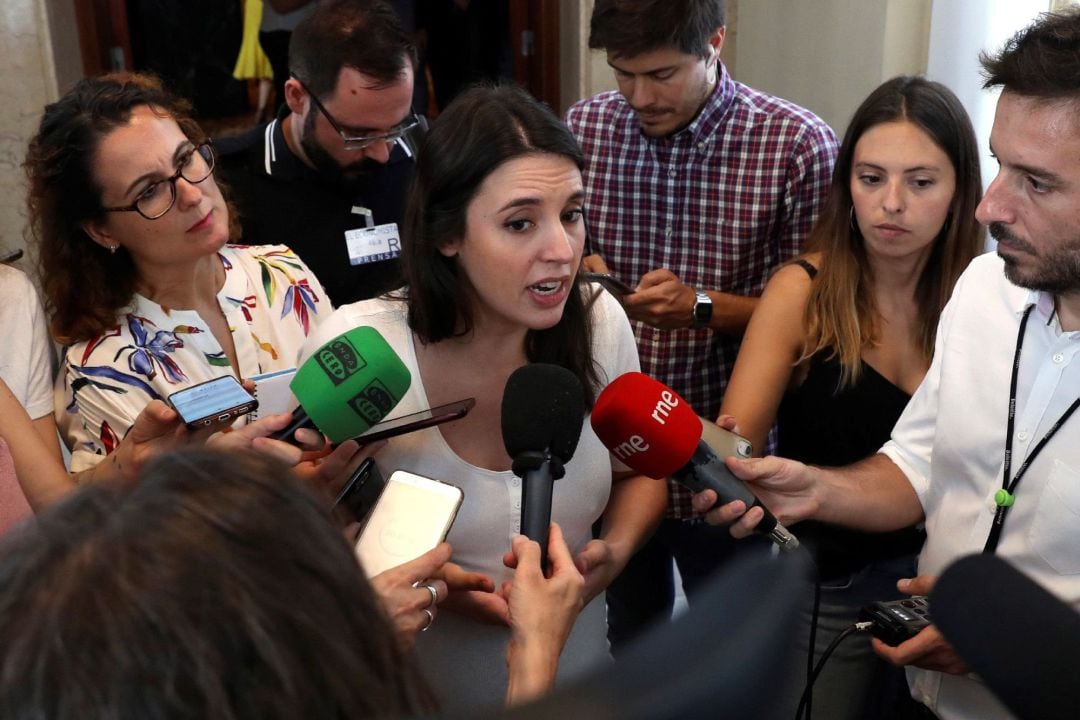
(536, 67)
(103, 25)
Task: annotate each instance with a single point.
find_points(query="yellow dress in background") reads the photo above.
(252, 63)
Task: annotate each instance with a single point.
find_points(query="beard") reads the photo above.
(1056, 270)
(325, 163)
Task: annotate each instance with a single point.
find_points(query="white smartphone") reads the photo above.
(412, 515)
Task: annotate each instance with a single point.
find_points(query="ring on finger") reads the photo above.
(434, 594)
(430, 619)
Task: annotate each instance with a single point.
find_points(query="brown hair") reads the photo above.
(365, 35)
(1041, 61)
(840, 313)
(217, 587)
(84, 285)
(628, 28)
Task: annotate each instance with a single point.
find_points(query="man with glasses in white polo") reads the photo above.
(328, 176)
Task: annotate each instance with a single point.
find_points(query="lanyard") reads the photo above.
(1005, 497)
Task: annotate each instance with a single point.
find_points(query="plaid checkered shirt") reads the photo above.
(720, 204)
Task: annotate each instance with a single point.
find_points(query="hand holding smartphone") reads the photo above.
(220, 400)
(412, 515)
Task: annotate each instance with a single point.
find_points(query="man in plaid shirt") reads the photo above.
(697, 188)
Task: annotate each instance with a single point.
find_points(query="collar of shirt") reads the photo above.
(279, 161)
(1045, 311)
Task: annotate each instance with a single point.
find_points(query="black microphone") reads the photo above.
(543, 407)
(1021, 640)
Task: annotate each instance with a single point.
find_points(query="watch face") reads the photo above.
(702, 310)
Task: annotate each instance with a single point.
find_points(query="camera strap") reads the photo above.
(1005, 497)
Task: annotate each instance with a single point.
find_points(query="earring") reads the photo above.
(112, 249)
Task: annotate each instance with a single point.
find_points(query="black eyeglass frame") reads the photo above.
(211, 161)
(363, 142)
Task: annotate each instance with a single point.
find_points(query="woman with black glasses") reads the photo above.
(139, 279)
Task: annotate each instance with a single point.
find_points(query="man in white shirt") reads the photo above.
(1003, 384)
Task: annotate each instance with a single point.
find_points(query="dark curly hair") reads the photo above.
(1040, 61)
(83, 284)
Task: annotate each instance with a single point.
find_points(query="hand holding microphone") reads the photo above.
(648, 426)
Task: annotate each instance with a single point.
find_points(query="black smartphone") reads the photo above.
(361, 490)
(895, 621)
(220, 400)
(417, 421)
(612, 284)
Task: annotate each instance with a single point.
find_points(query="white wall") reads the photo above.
(27, 82)
(827, 55)
(954, 57)
(583, 72)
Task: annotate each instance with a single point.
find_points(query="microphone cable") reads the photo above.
(804, 701)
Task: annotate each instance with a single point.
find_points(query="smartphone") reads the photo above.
(724, 442)
(417, 421)
(612, 284)
(361, 490)
(895, 621)
(220, 400)
(412, 515)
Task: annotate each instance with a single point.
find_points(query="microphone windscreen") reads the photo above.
(350, 383)
(1021, 640)
(646, 424)
(542, 409)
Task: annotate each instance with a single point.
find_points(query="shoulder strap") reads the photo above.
(805, 265)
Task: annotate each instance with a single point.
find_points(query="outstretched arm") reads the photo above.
(872, 495)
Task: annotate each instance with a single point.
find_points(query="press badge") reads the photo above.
(373, 244)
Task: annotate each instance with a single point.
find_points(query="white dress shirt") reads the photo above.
(950, 442)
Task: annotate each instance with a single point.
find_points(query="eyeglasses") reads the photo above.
(157, 198)
(361, 142)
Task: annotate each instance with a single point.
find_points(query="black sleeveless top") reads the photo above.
(820, 424)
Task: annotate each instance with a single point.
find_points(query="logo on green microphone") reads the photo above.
(340, 360)
(374, 402)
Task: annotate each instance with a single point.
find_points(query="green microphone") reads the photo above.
(350, 383)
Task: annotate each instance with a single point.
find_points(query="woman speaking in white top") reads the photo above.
(491, 249)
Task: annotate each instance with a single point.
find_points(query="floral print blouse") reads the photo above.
(271, 302)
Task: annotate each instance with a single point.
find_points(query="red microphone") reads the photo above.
(648, 426)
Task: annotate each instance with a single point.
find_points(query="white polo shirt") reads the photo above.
(950, 442)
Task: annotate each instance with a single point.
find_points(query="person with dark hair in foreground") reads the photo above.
(218, 587)
(988, 449)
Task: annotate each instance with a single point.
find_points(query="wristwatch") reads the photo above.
(702, 313)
